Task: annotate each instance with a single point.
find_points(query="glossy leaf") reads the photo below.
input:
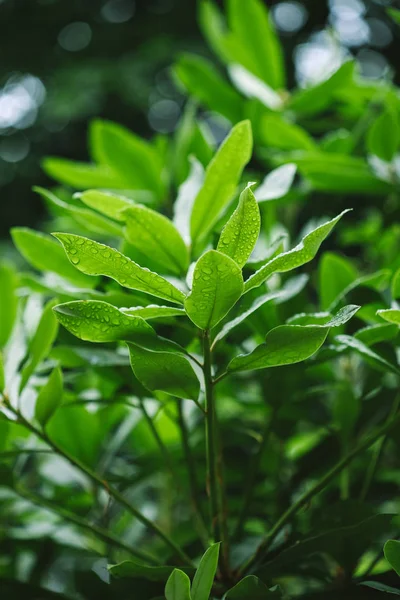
(152, 233)
(43, 253)
(204, 577)
(106, 203)
(178, 586)
(240, 234)
(8, 302)
(276, 184)
(289, 344)
(369, 355)
(392, 315)
(50, 397)
(164, 372)
(335, 275)
(153, 311)
(392, 554)
(221, 180)
(93, 258)
(217, 285)
(251, 587)
(97, 321)
(298, 256)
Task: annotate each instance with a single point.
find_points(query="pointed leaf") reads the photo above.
(82, 176)
(289, 344)
(50, 397)
(106, 203)
(276, 184)
(93, 258)
(152, 233)
(204, 577)
(153, 311)
(97, 321)
(369, 355)
(217, 286)
(178, 586)
(392, 315)
(8, 302)
(384, 135)
(44, 254)
(392, 554)
(221, 180)
(251, 587)
(240, 234)
(298, 256)
(164, 372)
(335, 275)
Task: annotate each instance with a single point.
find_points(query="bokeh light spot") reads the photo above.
(75, 36)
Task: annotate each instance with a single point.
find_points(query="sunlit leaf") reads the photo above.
(8, 302)
(276, 184)
(106, 203)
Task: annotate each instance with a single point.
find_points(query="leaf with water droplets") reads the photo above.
(392, 315)
(298, 256)
(93, 258)
(217, 286)
(289, 344)
(152, 233)
(154, 311)
(240, 234)
(221, 180)
(98, 321)
(371, 357)
(167, 372)
(50, 396)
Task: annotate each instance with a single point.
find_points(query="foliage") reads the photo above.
(234, 432)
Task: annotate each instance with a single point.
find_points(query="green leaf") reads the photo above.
(106, 203)
(41, 343)
(82, 175)
(221, 40)
(93, 258)
(289, 344)
(87, 218)
(217, 286)
(50, 397)
(274, 131)
(202, 81)
(2, 374)
(8, 302)
(290, 289)
(97, 321)
(178, 586)
(332, 173)
(392, 554)
(186, 196)
(392, 315)
(252, 26)
(369, 355)
(395, 285)
(384, 135)
(204, 577)
(133, 570)
(131, 157)
(164, 372)
(251, 587)
(240, 234)
(276, 184)
(335, 275)
(44, 254)
(152, 233)
(375, 281)
(153, 311)
(395, 14)
(253, 87)
(374, 334)
(381, 587)
(298, 256)
(221, 180)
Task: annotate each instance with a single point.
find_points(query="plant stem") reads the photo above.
(315, 489)
(378, 451)
(100, 532)
(252, 476)
(191, 469)
(111, 490)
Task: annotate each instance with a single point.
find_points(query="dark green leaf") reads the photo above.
(251, 587)
(204, 577)
(50, 397)
(335, 275)
(392, 554)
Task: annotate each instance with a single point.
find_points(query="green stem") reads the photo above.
(378, 451)
(100, 532)
(314, 490)
(191, 469)
(112, 491)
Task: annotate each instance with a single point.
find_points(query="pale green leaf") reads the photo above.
(276, 184)
(8, 302)
(335, 275)
(289, 344)
(83, 175)
(392, 554)
(50, 397)
(204, 577)
(217, 285)
(178, 586)
(395, 285)
(221, 180)
(275, 131)
(97, 321)
(150, 232)
(153, 311)
(298, 256)
(240, 234)
(186, 196)
(392, 315)
(106, 203)
(2, 373)
(253, 87)
(384, 135)
(44, 254)
(93, 258)
(164, 372)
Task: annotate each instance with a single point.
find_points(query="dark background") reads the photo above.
(63, 62)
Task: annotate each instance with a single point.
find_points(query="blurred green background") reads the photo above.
(66, 61)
